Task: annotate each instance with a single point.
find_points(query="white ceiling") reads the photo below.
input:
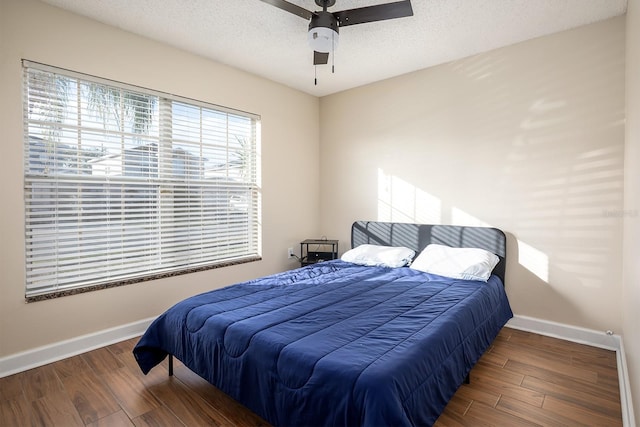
(267, 41)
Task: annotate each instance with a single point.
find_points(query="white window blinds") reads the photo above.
(124, 184)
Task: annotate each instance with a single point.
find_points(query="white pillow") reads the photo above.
(382, 256)
(457, 263)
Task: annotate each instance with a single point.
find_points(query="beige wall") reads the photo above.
(528, 138)
(290, 128)
(631, 291)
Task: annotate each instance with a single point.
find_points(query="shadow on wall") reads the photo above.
(400, 201)
(530, 140)
(527, 138)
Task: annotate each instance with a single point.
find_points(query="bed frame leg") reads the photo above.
(171, 365)
(468, 379)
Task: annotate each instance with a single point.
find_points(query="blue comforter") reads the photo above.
(334, 343)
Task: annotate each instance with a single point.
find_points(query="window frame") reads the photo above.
(174, 166)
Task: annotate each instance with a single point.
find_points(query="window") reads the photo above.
(126, 184)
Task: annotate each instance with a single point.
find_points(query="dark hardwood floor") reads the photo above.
(524, 379)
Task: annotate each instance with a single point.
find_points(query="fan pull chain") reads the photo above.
(333, 54)
(315, 75)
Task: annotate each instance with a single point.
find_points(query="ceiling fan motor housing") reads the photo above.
(323, 32)
(323, 25)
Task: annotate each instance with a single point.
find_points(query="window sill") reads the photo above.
(107, 285)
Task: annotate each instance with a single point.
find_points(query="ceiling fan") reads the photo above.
(324, 25)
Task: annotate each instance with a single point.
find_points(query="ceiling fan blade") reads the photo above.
(290, 7)
(380, 12)
(320, 58)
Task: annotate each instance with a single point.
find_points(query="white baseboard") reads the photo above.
(589, 337)
(61, 350)
(52, 353)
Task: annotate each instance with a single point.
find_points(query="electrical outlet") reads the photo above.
(290, 253)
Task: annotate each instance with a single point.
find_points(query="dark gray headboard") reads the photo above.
(418, 236)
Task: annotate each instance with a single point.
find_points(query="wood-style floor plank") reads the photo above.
(488, 370)
(117, 419)
(71, 366)
(523, 379)
(532, 413)
(90, 395)
(40, 382)
(11, 388)
(160, 416)
(550, 361)
(54, 409)
(579, 413)
(495, 386)
(102, 361)
(15, 412)
(188, 406)
(578, 398)
(132, 395)
(561, 380)
(480, 414)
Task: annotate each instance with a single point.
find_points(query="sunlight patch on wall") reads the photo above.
(401, 201)
(460, 217)
(533, 260)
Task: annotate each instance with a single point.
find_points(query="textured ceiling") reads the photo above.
(264, 40)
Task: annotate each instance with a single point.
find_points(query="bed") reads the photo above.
(339, 343)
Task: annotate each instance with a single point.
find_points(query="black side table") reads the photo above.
(317, 250)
